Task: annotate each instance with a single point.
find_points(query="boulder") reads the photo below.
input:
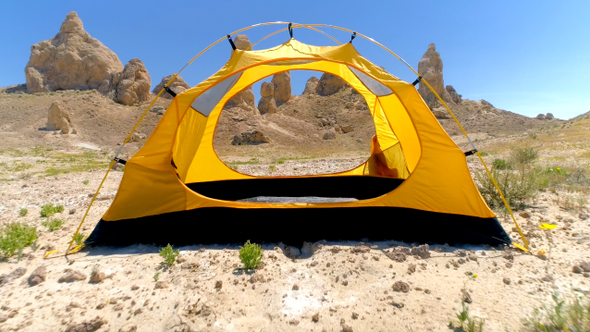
(250, 138)
(71, 276)
(178, 86)
(245, 99)
(72, 59)
(541, 117)
(267, 103)
(132, 85)
(282, 85)
(455, 97)
(329, 84)
(440, 113)
(549, 116)
(58, 118)
(311, 86)
(430, 68)
(330, 134)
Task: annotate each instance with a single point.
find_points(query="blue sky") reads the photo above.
(527, 57)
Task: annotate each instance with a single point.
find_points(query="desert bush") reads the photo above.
(48, 210)
(14, 237)
(518, 186)
(524, 155)
(560, 316)
(79, 238)
(465, 322)
(23, 212)
(53, 225)
(169, 255)
(500, 164)
(483, 154)
(250, 255)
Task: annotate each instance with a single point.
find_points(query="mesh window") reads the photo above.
(207, 101)
(373, 85)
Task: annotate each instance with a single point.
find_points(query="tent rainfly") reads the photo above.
(415, 186)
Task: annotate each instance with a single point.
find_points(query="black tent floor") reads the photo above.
(298, 225)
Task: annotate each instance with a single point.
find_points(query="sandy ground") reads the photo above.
(348, 285)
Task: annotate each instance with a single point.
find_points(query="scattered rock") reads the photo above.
(329, 85)
(346, 129)
(440, 113)
(541, 116)
(506, 281)
(282, 87)
(411, 268)
(250, 138)
(466, 297)
(179, 85)
(71, 276)
(134, 287)
(58, 118)
(294, 322)
(398, 256)
(525, 215)
(460, 253)
(583, 216)
(398, 305)
(400, 286)
(71, 60)
(17, 273)
(161, 285)
(88, 326)
(97, 277)
(422, 251)
(267, 103)
(132, 85)
(345, 327)
(38, 276)
(256, 278)
(311, 86)
(218, 284)
(295, 287)
(455, 97)
(316, 317)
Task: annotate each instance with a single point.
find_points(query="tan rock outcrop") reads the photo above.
(245, 99)
(282, 85)
(311, 86)
(179, 85)
(255, 137)
(72, 59)
(455, 97)
(267, 102)
(58, 118)
(430, 68)
(329, 85)
(132, 85)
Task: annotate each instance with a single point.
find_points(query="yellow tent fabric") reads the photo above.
(409, 143)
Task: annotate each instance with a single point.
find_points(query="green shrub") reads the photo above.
(500, 164)
(250, 255)
(156, 276)
(14, 237)
(281, 161)
(467, 323)
(169, 255)
(524, 155)
(272, 167)
(561, 316)
(483, 154)
(85, 181)
(48, 210)
(79, 239)
(53, 225)
(518, 186)
(23, 212)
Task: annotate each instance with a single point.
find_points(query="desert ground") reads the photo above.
(323, 286)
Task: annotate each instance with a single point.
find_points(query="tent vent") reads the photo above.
(120, 161)
(417, 80)
(376, 87)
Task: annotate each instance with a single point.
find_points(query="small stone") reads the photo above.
(134, 287)
(161, 285)
(466, 297)
(585, 266)
(218, 284)
(577, 269)
(71, 276)
(97, 277)
(17, 273)
(295, 287)
(506, 281)
(345, 283)
(422, 251)
(525, 215)
(316, 317)
(411, 268)
(583, 216)
(508, 265)
(293, 322)
(400, 286)
(72, 211)
(88, 326)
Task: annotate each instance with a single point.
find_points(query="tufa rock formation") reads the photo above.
(132, 85)
(311, 86)
(282, 87)
(549, 116)
(71, 60)
(430, 68)
(59, 119)
(250, 138)
(178, 86)
(245, 99)
(455, 97)
(329, 85)
(267, 103)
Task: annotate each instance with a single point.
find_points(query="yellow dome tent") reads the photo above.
(416, 185)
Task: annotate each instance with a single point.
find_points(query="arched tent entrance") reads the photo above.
(415, 186)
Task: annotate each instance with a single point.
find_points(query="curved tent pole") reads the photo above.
(292, 25)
